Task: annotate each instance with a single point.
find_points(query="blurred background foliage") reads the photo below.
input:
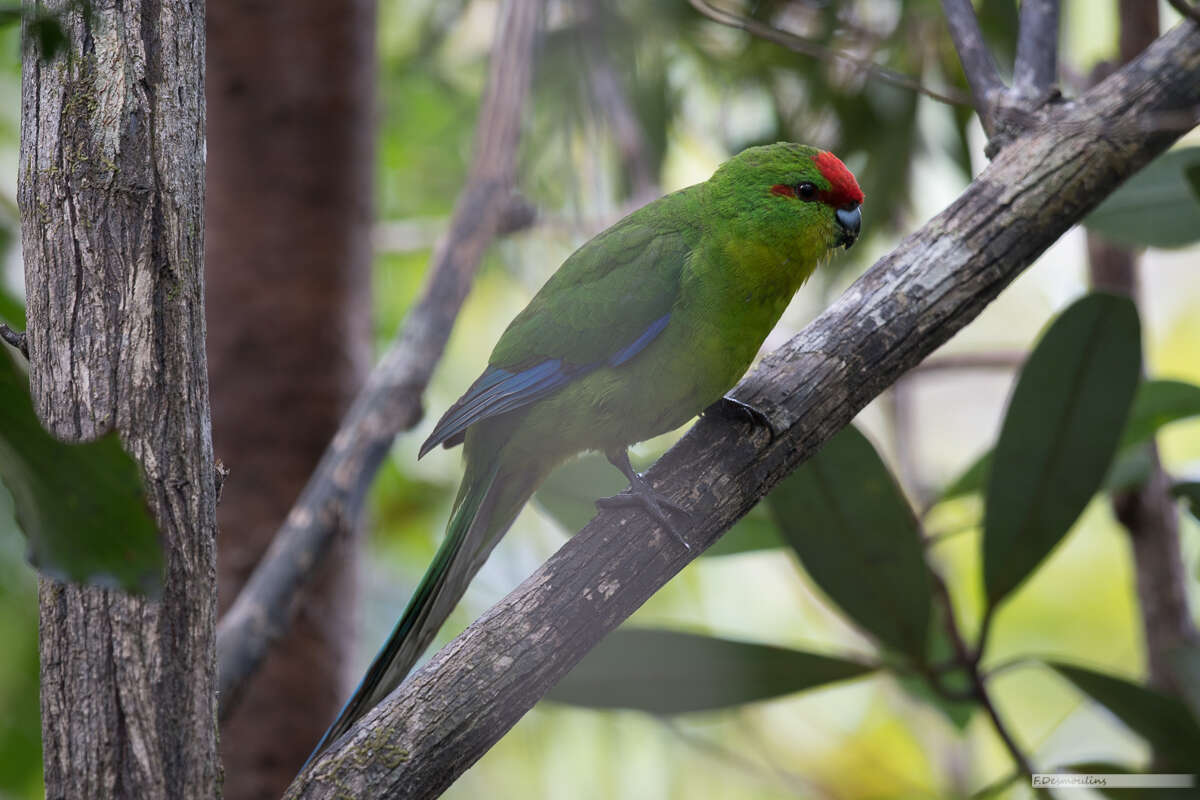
(697, 92)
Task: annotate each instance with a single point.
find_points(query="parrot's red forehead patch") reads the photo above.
(843, 189)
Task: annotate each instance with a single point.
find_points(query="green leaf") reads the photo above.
(1158, 718)
(569, 496)
(45, 28)
(1130, 469)
(21, 763)
(1157, 207)
(998, 22)
(957, 712)
(81, 506)
(1192, 174)
(671, 672)
(755, 531)
(12, 310)
(956, 679)
(1190, 491)
(855, 533)
(1185, 668)
(1059, 435)
(1158, 403)
(972, 479)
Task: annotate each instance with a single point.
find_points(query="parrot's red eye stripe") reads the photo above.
(783, 190)
(843, 189)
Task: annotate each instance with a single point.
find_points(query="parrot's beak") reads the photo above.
(850, 219)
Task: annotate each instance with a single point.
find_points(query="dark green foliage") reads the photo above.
(47, 31)
(1158, 403)
(1158, 718)
(404, 508)
(1185, 668)
(420, 113)
(1130, 469)
(1192, 173)
(1059, 436)
(957, 712)
(1189, 491)
(951, 695)
(970, 480)
(1157, 207)
(44, 27)
(12, 310)
(1155, 404)
(671, 672)
(20, 741)
(755, 531)
(999, 23)
(853, 530)
(81, 506)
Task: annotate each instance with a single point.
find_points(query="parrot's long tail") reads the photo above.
(487, 504)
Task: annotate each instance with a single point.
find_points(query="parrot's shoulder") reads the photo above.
(603, 297)
(647, 239)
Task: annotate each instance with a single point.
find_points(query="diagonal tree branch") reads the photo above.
(1185, 8)
(456, 707)
(391, 400)
(1036, 66)
(982, 76)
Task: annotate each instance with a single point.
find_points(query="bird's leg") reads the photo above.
(641, 493)
(742, 412)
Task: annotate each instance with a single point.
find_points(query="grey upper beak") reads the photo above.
(851, 221)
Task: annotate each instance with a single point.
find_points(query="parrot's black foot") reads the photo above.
(742, 412)
(640, 493)
(652, 503)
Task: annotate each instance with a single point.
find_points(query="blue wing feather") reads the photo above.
(498, 390)
(639, 344)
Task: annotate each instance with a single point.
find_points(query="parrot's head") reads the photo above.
(791, 194)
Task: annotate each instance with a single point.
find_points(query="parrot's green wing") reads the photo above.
(602, 298)
(609, 300)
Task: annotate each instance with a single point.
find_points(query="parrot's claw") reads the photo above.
(733, 409)
(654, 504)
(640, 493)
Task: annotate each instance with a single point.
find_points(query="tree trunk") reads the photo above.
(111, 191)
(1147, 512)
(290, 157)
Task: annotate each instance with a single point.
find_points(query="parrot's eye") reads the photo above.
(806, 191)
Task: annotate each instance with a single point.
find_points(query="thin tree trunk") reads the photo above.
(111, 191)
(290, 160)
(1147, 512)
(390, 401)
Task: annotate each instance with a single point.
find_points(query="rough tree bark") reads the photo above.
(288, 252)
(1073, 154)
(111, 193)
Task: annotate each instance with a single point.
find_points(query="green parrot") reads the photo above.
(642, 328)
